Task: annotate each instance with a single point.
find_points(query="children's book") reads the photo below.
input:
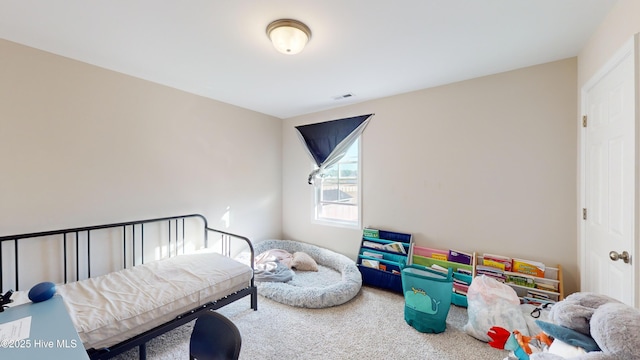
(547, 287)
(371, 233)
(459, 292)
(372, 254)
(492, 272)
(520, 279)
(395, 247)
(430, 253)
(373, 245)
(528, 267)
(536, 302)
(371, 263)
(500, 262)
(461, 288)
(439, 268)
(460, 257)
(547, 284)
(538, 295)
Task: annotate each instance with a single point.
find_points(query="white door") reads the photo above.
(609, 179)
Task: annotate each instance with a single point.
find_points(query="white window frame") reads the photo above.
(315, 194)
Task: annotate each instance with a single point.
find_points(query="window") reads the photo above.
(337, 194)
(335, 148)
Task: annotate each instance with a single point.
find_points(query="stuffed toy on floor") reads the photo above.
(589, 326)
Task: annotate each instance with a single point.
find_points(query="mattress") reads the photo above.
(117, 306)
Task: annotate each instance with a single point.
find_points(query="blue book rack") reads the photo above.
(380, 258)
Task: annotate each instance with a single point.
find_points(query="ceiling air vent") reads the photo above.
(345, 96)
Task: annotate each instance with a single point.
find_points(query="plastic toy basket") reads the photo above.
(427, 298)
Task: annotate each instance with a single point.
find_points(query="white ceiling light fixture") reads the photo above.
(288, 36)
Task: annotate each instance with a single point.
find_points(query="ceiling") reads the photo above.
(367, 48)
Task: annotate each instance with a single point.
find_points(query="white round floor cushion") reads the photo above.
(333, 290)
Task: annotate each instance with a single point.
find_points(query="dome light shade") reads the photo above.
(288, 36)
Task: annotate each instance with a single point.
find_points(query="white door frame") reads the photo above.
(628, 49)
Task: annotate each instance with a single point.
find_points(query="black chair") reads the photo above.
(214, 337)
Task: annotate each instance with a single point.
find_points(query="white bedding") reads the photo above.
(112, 308)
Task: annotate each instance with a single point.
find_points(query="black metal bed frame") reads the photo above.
(141, 339)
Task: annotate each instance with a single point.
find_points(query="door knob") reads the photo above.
(613, 255)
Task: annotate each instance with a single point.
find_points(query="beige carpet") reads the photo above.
(370, 326)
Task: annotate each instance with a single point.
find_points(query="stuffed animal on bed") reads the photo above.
(589, 326)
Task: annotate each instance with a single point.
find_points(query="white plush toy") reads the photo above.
(589, 326)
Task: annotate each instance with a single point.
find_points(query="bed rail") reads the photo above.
(77, 244)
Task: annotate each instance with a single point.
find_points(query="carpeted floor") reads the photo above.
(370, 326)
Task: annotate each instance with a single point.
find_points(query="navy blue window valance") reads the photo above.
(328, 141)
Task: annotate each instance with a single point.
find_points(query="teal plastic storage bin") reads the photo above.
(427, 297)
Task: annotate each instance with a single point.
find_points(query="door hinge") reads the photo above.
(584, 120)
(584, 214)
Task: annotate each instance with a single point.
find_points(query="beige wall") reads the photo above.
(485, 165)
(619, 26)
(80, 145)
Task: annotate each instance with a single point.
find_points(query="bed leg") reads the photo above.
(142, 351)
(254, 299)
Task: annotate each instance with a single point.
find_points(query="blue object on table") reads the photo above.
(42, 291)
